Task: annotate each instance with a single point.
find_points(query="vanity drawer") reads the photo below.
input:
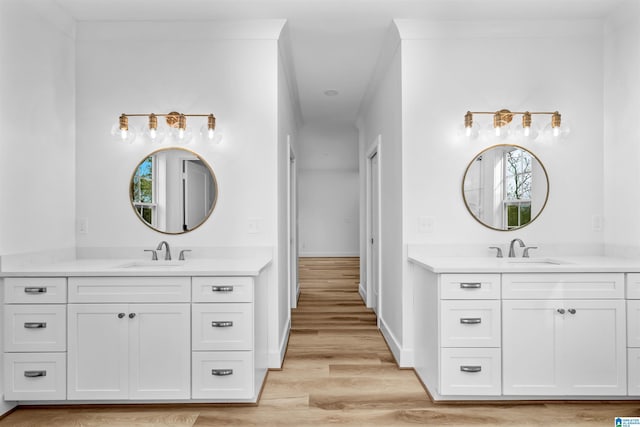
(35, 290)
(470, 323)
(470, 286)
(39, 327)
(129, 289)
(470, 371)
(633, 285)
(222, 326)
(35, 376)
(222, 289)
(222, 375)
(633, 323)
(563, 286)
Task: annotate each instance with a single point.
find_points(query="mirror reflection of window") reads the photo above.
(518, 177)
(143, 190)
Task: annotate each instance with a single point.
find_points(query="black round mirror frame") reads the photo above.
(187, 151)
(501, 146)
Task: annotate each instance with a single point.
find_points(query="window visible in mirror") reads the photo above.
(517, 187)
(143, 190)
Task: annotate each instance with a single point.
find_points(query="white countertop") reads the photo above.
(130, 267)
(583, 264)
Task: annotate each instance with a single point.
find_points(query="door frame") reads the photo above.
(292, 226)
(373, 151)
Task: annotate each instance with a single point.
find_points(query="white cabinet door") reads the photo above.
(530, 347)
(159, 351)
(564, 347)
(98, 351)
(594, 347)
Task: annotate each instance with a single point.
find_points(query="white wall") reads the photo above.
(37, 176)
(382, 116)
(622, 133)
(328, 191)
(37, 173)
(229, 69)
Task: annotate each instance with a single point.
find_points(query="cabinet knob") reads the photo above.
(572, 310)
(222, 372)
(132, 315)
(121, 315)
(560, 310)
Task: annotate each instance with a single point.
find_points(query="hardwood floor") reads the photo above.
(337, 371)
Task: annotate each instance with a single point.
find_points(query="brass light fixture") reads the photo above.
(503, 117)
(177, 123)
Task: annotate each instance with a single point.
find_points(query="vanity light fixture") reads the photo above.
(503, 117)
(177, 123)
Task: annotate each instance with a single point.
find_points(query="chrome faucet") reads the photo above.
(512, 252)
(167, 254)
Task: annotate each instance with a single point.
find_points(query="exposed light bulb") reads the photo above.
(498, 131)
(527, 131)
(556, 131)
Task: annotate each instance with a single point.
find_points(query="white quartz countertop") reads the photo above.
(131, 267)
(562, 264)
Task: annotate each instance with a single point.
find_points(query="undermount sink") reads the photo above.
(154, 264)
(529, 261)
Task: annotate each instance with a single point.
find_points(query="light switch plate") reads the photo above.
(83, 225)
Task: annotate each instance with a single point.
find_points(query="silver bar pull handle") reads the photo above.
(32, 290)
(35, 325)
(470, 285)
(227, 288)
(472, 369)
(35, 374)
(470, 320)
(222, 324)
(222, 372)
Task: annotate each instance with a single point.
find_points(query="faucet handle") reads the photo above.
(498, 251)
(525, 253)
(154, 254)
(181, 256)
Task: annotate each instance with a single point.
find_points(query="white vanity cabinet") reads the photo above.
(125, 342)
(34, 329)
(558, 339)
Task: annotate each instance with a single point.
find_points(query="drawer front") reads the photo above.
(633, 285)
(633, 323)
(470, 323)
(129, 289)
(223, 375)
(223, 289)
(222, 326)
(563, 286)
(470, 371)
(35, 376)
(35, 290)
(35, 328)
(470, 286)
(633, 371)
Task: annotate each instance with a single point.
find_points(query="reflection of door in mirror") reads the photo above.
(198, 193)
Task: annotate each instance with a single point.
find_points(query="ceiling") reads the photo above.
(334, 44)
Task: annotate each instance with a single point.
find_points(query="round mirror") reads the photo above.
(505, 187)
(173, 190)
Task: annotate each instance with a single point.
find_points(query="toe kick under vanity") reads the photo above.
(527, 329)
(108, 332)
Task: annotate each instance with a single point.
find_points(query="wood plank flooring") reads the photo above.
(337, 371)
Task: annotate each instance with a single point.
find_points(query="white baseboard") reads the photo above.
(312, 254)
(363, 293)
(404, 357)
(276, 359)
